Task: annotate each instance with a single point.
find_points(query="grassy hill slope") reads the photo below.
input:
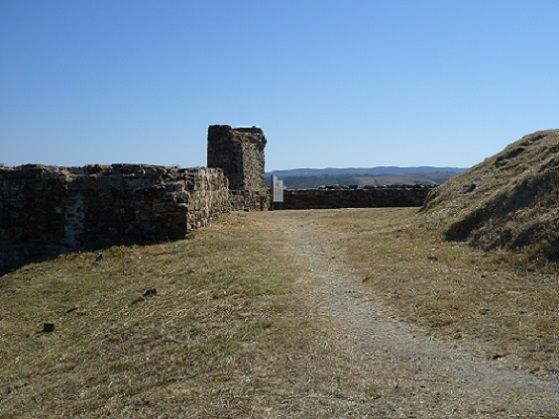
(511, 200)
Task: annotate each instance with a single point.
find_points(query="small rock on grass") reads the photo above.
(151, 292)
(48, 327)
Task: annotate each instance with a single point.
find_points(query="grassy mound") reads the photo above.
(509, 201)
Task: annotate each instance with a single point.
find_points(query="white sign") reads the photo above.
(277, 189)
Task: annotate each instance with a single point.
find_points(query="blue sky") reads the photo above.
(332, 83)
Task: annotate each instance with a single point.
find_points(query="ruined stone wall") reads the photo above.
(354, 198)
(250, 200)
(239, 152)
(45, 210)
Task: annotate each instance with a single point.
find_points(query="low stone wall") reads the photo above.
(354, 198)
(47, 210)
(250, 200)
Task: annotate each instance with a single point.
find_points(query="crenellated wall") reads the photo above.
(45, 210)
(354, 198)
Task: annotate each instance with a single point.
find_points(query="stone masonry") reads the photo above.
(239, 152)
(46, 210)
(355, 198)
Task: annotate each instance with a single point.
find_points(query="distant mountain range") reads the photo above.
(380, 175)
(377, 170)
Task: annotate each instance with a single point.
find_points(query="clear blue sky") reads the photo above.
(332, 83)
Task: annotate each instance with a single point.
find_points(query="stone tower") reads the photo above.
(239, 152)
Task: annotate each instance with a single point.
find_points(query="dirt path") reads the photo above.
(365, 363)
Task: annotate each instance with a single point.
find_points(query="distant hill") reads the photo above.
(376, 176)
(377, 170)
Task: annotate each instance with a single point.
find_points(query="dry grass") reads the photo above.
(237, 328)
(496, 302)
(192, 351)
(508, 201)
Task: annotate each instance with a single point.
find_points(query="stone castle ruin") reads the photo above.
(239, 152)
(47, 210)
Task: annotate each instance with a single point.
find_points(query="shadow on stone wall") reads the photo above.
(46, 211)
(20, 256)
